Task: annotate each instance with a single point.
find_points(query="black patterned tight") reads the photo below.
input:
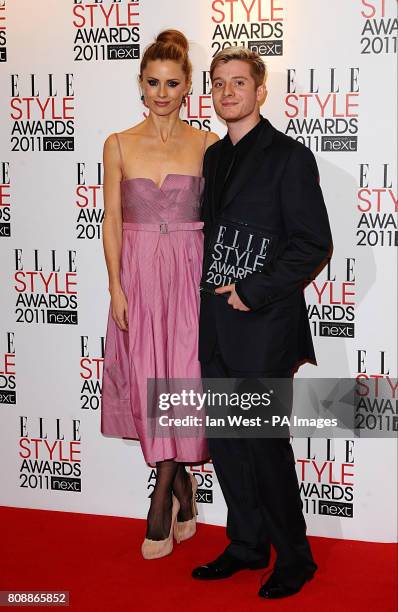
(171, 477)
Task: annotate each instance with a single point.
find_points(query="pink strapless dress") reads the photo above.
(161, 261)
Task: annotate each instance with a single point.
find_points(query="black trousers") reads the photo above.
(259, 483)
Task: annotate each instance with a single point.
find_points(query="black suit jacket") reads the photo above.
(275, 187)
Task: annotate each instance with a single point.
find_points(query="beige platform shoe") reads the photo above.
(186, 529)
(155, 549)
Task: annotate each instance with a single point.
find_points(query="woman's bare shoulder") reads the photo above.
(110, 146)
(212, 137)
(198, 134)
(135, 130)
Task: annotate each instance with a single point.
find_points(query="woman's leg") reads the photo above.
(182, 489)
(159, 515)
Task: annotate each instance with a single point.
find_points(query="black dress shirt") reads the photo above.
(232, 155)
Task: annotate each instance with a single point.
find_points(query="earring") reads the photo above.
(142, 98)
(184, 100)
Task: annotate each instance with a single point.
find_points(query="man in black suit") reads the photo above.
(266, 233)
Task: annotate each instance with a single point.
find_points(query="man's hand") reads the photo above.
(234, 299)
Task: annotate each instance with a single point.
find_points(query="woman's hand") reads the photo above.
(119, 308)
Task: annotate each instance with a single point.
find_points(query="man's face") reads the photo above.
(234, 91)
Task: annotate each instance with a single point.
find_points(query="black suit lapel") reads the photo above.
(248, 166)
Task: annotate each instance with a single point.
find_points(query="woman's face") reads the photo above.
(164, 84)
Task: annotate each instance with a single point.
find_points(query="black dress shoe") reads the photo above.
(225, 566)
(275, 588)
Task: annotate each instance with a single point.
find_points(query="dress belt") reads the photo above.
(164, 227)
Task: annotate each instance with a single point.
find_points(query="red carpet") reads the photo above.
(97, 559)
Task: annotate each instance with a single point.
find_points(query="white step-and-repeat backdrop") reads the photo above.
(68, 79)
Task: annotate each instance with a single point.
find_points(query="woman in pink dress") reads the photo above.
(153, 247)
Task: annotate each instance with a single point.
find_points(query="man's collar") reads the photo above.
(248, 134)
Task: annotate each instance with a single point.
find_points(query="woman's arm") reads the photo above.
(112, 229)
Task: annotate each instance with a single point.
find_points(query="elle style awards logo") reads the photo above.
(376, 402)
(49, 450)
(331, 300)
(91, 369)
(3, 31)
(198, 109)
(8, 386)
(42, 112)
(255, 24)
(45, 286)
(5, 200)
(322, 108)
(204, 475)
(89, 201)
(326, 471)
(106, 30)
(235, 251)
(379, 27)
(377, 205)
